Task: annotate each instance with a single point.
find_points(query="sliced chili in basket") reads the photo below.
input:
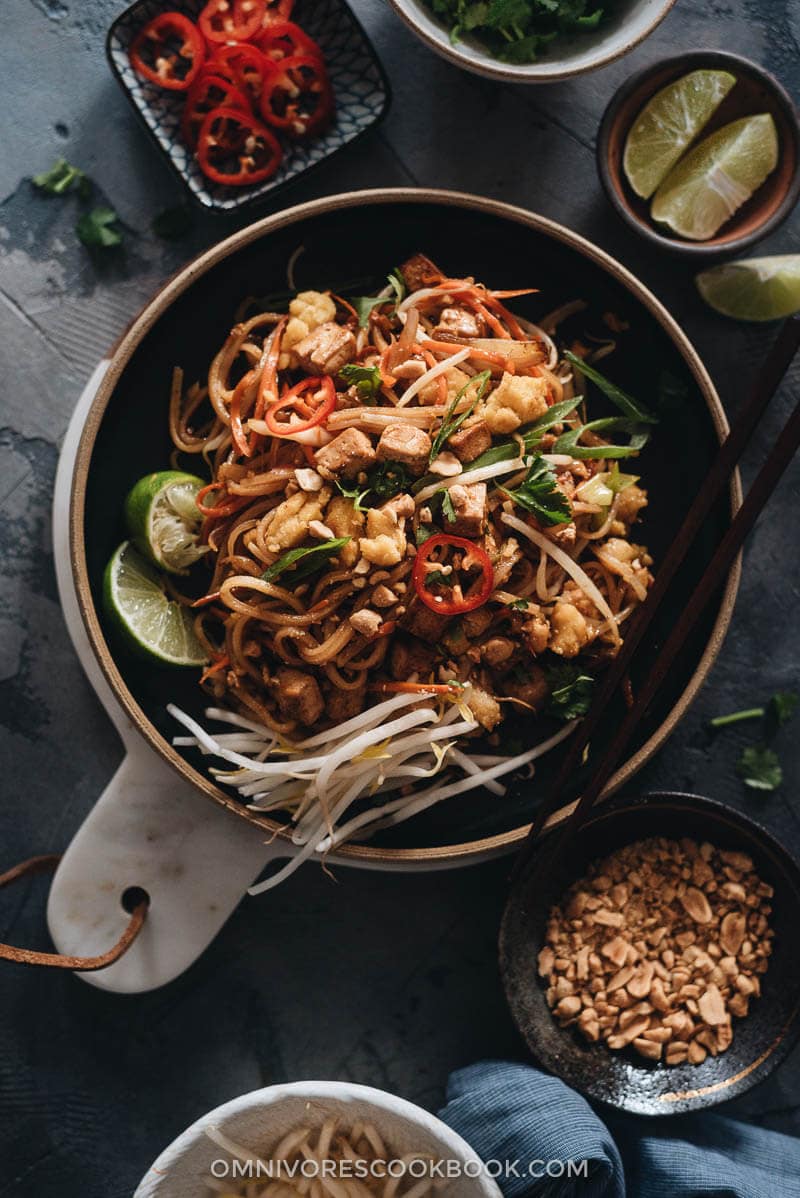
(297, 96)
(284, 39)
(247, 66)
(207, 93)
(458, 590)
(312, 400)
(235, 149)
(231, 20)
(278, 10)
(169, 51)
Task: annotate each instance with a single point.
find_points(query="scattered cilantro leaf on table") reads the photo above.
(96, 229)
(759, 768)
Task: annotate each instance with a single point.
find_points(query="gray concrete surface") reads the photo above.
(383, 979)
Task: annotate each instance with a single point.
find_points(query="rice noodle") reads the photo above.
(323, 1159)
(576, 572)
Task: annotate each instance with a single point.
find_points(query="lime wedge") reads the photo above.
(759, 289)
(715, 178)
(163, 519)
(151, 623)
(668, 124)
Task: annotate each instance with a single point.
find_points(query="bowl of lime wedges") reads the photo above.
(700, 153)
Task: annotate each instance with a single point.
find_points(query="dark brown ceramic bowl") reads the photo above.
(756, 91)
(760, 1041)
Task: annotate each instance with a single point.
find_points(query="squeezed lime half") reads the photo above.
(149, 621)
(669, 123)
(163, 520)
(715, 178)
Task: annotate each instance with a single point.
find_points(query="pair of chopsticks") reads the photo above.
(732, 448)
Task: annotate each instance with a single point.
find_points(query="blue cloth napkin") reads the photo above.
(529, 1125)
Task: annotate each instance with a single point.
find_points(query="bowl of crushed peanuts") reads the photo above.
(653, 967)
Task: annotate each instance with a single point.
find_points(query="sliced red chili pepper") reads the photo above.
(235, 149)
(284, 39)
(231, 20)
(247, 65)
(207, 93)
(278, 10)
(169, 51)
(449, 597)
(313, 409)
(297, 96)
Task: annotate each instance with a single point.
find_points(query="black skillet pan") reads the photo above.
(350, 242)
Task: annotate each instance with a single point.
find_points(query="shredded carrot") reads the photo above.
(514, 294)
(485, 355)
(441, 381)
(214, 668)
(243, 447)
(220, 510)
(268, 383)
(492, 321)
(516, 332)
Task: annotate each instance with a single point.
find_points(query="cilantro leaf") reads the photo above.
(305, 560)
(570, 690)
(61, 178)
(388, 479)
(95, 228)
(540, 494)
(447, 507)
(783, 705)
(424, 533)
(519, 605)
(364, 304)
(365, 379)
(759, 768)
(451, 423)
(504, 13)
(354, 492)
(629, 406)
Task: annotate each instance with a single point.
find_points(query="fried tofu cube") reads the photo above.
(470, 441)
(469, 505)
(299, 696)
(459, 323)
(326, 349)
(517, 400)
(345, 455)
(405, 444)
(418, 271)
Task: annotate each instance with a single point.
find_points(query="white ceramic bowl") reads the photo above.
(259, 1120)
(631, 22)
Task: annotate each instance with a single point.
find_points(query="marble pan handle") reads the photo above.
(151, 830)
(148, 829)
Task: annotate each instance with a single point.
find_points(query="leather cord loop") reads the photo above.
(26, 956)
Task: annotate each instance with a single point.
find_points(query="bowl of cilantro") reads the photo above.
(532, 41)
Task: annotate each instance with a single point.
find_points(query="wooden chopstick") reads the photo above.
(773, 370)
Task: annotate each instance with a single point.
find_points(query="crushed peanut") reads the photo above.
(658, 947)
